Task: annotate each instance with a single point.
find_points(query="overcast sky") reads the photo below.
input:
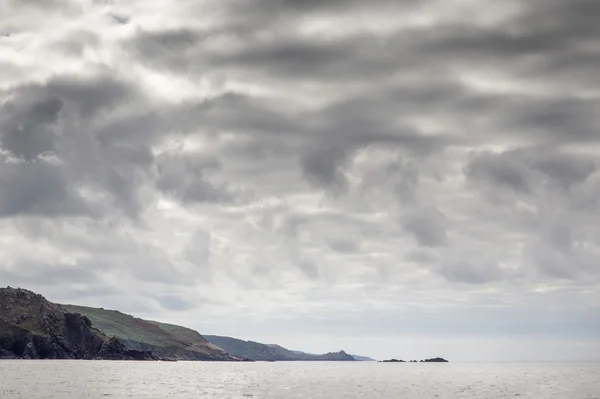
(396, 178)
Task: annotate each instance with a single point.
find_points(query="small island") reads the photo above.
(432, 360)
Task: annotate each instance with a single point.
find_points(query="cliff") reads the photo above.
(33, 328)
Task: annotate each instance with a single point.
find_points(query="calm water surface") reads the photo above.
(104, 379)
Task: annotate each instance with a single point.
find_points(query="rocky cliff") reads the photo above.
(33, 328)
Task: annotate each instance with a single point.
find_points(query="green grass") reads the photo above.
(135, 331)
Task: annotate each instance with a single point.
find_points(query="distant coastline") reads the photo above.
(31, 327)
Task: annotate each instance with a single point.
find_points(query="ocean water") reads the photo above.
(112, 379)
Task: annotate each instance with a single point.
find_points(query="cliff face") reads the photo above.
(31, 327)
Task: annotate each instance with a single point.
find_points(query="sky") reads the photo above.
(395, 178)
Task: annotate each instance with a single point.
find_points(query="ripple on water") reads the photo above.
(101, 379)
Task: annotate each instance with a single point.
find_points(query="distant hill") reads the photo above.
(269, 352)
(164, 340)
(356, 357)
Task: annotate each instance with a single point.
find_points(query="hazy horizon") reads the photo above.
(394, 178)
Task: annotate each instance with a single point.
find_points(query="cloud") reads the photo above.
(301, 161)
(39, 188)
(427, 225)
(183, 178)
(472, 273)
(323, 167)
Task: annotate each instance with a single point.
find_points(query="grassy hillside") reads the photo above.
(164, 340)
(250, 349)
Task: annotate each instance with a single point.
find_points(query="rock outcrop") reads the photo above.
(435, 360)
(33, 328)
(114, 349)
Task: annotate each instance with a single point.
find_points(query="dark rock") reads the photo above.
(114, 349)
(435, 360)
(393, 361)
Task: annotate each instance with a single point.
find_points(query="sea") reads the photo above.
(115, 379)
